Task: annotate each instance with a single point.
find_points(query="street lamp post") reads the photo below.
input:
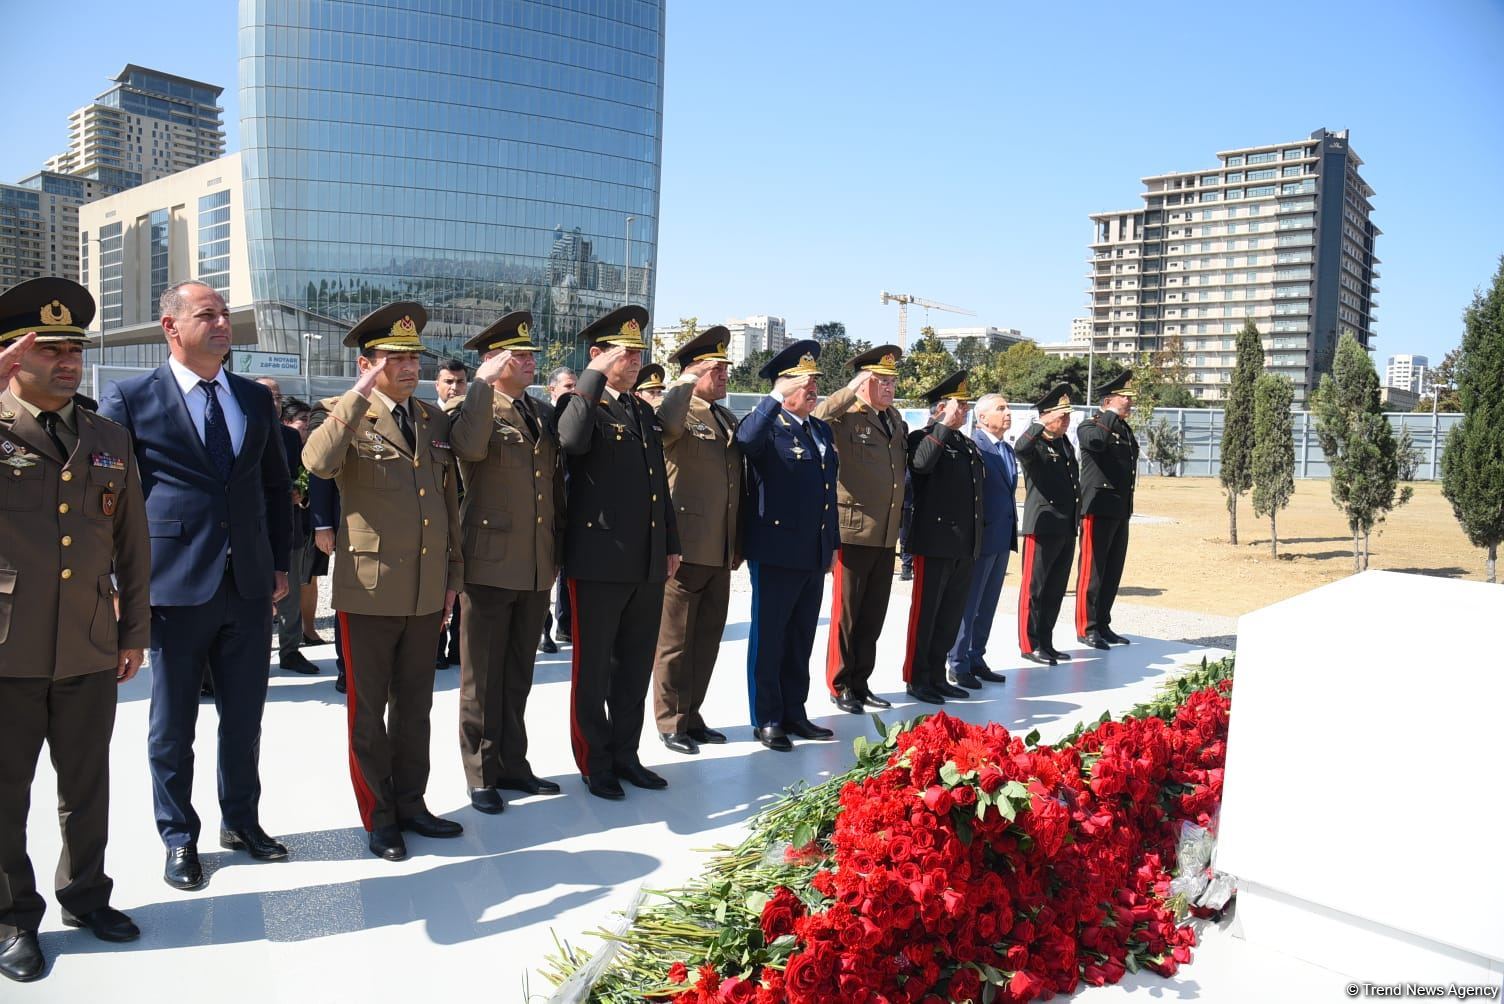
(627, 275)
(308, 377)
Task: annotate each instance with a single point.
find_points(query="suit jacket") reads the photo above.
(1054, 482)
(192, 515)
(302, 526)
(67, 523)
(788, 517)
(398, 542)
(999, 512)
(512, 515)
(704, 475)
(869, 492)
(948, 475)
(1109, 465)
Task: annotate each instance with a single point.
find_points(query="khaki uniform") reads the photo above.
(705, 483)
(73, 542)
(397, 550)
(513, 525)
(869, 499)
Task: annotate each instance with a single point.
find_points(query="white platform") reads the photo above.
(1362, 807)
(478, 914)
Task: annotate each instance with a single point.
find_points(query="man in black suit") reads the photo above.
(289, 612)
(1049, 464)
(219, 510)
(621, 544)
(1109, 471)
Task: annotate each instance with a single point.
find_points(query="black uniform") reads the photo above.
(1109, 471)
(945, 536)
(1049, 528)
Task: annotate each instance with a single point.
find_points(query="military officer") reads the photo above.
(397, 567)
(945, 536)
(649, 385)
(449, 385)
(872, 440)
(705, 483)
(1109, 471)
(512, 519)
(621, 543)
(1049, 528)
(789, 536)
(72, 514)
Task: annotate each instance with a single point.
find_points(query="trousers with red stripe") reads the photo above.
(938, 603)
(1104, 548)
(389, 670)
(861, 583)
(615, 633)
(1046, 572)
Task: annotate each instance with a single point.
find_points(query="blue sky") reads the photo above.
(817, 153)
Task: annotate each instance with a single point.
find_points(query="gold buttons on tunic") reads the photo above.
(422, 492)
(67, 573)
(422, 550)
(67, 541)
(67, 475)
(540, 519)
(63, 508)
(425, 522)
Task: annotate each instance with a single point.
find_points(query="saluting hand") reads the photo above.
(953, 414)
(127, 664)
(700, 368)
(367, 381)
(788, 386)
(860, 380)
(11, 355)
(607, 359)
(493, 367)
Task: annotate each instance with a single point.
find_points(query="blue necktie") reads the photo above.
(216, 433)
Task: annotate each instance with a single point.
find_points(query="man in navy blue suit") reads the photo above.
(789, 536)
(219, 510)
(999, 536)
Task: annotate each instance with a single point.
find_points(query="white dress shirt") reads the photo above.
(196, 398)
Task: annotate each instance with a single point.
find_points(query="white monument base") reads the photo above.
(1361, 811)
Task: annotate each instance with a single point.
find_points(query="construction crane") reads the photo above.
(904, 299)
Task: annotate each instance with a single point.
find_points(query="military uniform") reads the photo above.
(512, 520)
(705, 483)
(1049, 528)
(1109, 472)
(449, 638)
(397, 551)
(620, 530)
(870, 504)
(73, 542)
(945, 536)
(649, 385)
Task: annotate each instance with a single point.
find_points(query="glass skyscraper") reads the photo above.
(478, 156)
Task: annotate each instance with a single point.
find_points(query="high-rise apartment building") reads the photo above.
(1080, 331)
(1409, 372)
(149, 125)
(992, 338)
(1279, 233)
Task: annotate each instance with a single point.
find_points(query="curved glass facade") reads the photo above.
(478, 156)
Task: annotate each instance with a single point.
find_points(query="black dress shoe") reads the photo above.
(1112, 637)
(106, 924)
(254, 841)
(313, 639)
(562, 637)
(299, 663)
(967, 680)
(339, 683)
(927, 694)
(206, 689)
(808, 730)
(183, 870)
(548, 646)
(387, 842)
(704, 735)
(988, 676)
(1040, 656)
(946, 690)
(605, 786)
(453, 657)
(847, 702)
(679, 742)
(487, 800)
(1094, 639)
(440, 662)
(426, 824)
(774, 738)
(873, 701)
(638, 775)
(1056, 654)
(531, 785)
(906, 575)
(21, 957)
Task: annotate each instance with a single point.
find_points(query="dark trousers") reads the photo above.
(1046, 571)
(389, 681)
(502, 628)
(935, 612)
(689, 640)
(1104, 548)
(970, 648)
(861, 582)
(560, 613)
(228, 636)
(75, 717)
(615, 629)
(290, 627)
(785, 613)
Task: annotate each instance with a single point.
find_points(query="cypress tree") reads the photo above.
(1273, 451)
(1237, 427)
(1472, 468)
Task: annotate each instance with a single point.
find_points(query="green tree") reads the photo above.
(828, 331)
(1166, 446)
(924, 365)
(1359, 443)
(743, 379)
(834, 356)
(1237, 423)
(1444, 385)
(1472, 468)
(1273, 459)
(665, 343)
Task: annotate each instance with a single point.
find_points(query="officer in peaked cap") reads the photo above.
(649, 385)
(513, 521)
(73, 515)
(397, 567)
(945, 536)
(705, 484)
(789, 536)
(1049, 528)
(872, 438)
(621, 543)
(1109, 471)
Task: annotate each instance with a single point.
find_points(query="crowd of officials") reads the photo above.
(190, 508)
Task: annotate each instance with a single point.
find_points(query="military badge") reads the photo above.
(20, 462)
(107, 503)
(106, 461)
